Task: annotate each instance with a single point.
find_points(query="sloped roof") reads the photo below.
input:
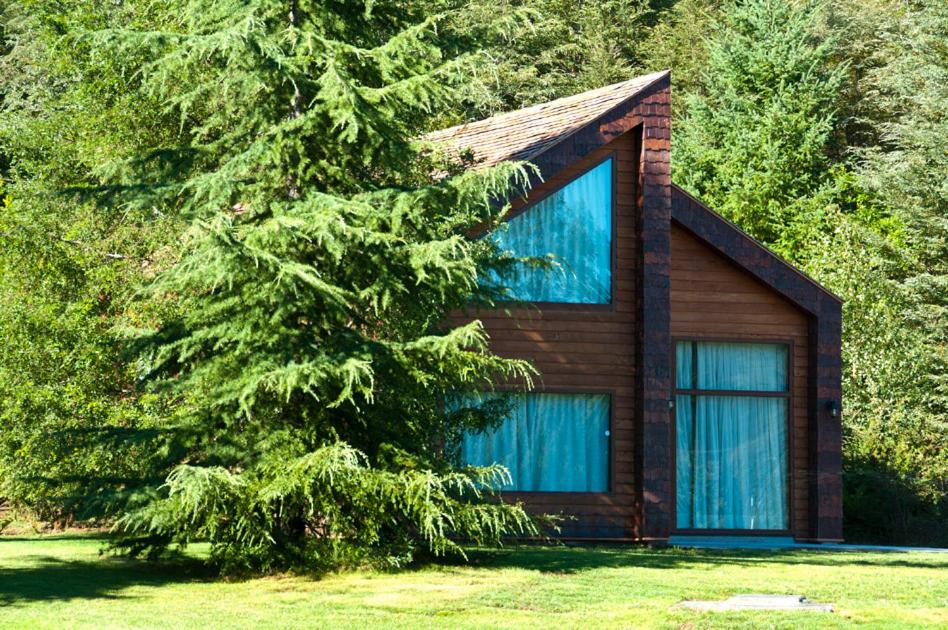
(526, 133)
(750, 254)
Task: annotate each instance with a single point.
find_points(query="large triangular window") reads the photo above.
(574, 224)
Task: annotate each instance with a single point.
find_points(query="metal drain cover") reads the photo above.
(761, 602)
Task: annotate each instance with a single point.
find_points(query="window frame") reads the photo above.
(558, 496)
(529, 203)
(788, 419)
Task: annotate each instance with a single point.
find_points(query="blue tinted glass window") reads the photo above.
(549, 443)
(574, 224)
(732, 450)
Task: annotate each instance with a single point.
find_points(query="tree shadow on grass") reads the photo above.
(575, 559)
(48, 578)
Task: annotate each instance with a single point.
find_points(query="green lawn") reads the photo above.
(59, 582)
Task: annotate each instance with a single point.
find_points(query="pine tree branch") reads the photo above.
(89, 248)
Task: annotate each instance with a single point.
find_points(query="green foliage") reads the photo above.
(306, 340)
(563, 48)
(905, 172)
(753, 142)
(66, 397)
(893, 446)
(345, 507)
(679, 41)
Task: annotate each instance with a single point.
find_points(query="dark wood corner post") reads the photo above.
(825, 385)
(653, 446)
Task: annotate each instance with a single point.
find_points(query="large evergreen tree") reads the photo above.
(753, 142)
(307, 339)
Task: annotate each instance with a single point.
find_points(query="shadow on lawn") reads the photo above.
(575, 559)
(48, 578)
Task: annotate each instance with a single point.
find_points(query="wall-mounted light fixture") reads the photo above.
(833, 407)
(671, 403)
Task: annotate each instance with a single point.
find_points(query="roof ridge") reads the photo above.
(556, 101)
(525, 133)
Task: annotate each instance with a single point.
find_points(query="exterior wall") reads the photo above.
(698, 276)
(588, 348)
(824, 386)
(712, 297)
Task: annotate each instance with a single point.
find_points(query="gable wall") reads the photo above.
(713, 298)
(588, 348)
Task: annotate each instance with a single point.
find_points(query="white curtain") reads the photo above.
(731, 451)
(758, 367)
(550, 443)
(731, 462)
(574, 224)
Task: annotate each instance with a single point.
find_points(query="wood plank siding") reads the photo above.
(589, 349)
(824, 368)
(713, 298)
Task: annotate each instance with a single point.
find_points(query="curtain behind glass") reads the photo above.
(732, 462)
(684, 461)
(550, 443)
(575, 225)
(684, 360)
(758, 367)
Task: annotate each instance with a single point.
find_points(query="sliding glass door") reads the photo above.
(731, 409)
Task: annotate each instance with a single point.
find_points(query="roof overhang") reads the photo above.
(548, 135)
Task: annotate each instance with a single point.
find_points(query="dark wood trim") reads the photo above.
(581, 307)
(826, 487)
(733, 532)
(579, 539)
(824, 360)
(731, 392)
(654, 447)
(786, 395)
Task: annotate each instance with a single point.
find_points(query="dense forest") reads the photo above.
(223, 253)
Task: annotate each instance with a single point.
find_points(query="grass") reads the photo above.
(63, 581)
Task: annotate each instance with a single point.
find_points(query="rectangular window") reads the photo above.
(731, 410)
(574, 225)
(550, 443)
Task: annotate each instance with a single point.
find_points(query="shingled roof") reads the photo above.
(526, 133)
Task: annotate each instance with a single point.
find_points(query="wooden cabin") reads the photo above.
(690, 377)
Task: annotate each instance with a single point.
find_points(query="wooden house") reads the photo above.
(690, 377)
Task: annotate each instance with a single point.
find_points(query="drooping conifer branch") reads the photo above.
(310, 335)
